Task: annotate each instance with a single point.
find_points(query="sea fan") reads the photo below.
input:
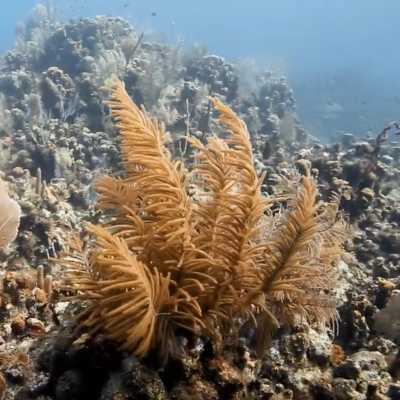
(10, 214)
(167, 261)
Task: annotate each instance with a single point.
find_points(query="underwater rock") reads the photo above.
(196, 389)
(386, 320)
(140, 382)
(215, 72)
(71, 385)
(346, 389)
(58, 93)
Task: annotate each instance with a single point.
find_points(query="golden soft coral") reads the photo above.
(166, 260)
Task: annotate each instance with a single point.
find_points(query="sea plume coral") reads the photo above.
(10, 213)
(298, 273)
(169, 261)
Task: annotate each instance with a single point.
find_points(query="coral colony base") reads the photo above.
(208, 263)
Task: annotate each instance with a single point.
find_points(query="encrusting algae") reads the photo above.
(170, 260)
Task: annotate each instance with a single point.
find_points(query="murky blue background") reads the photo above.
(341, 56)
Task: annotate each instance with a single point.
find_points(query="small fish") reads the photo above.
(153, 14)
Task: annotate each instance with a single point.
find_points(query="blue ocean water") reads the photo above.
(341, 57)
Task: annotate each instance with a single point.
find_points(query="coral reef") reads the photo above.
(56, 138)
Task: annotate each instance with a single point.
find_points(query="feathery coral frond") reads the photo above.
(133, 304)
(231, 209)
(249, 204)
(115, 194)
(160, 181)
(299, 274)
(166, 261)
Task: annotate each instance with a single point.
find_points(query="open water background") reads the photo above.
(342, 57)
